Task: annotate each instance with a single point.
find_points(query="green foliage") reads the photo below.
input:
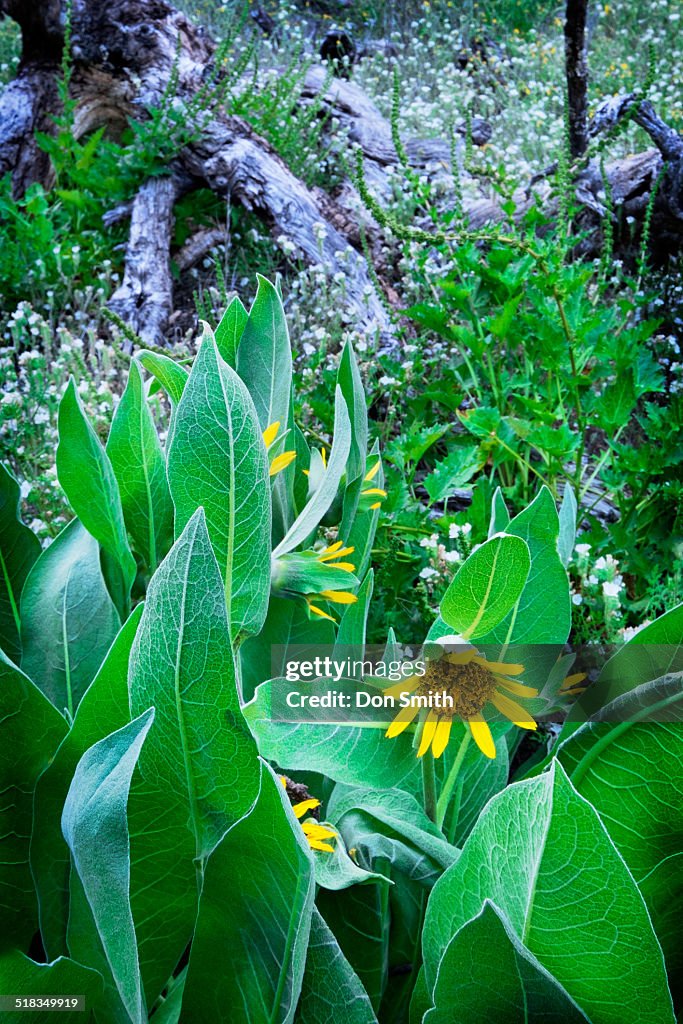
(149, 837)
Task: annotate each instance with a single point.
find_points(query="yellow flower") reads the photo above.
(284, 459)
(472, 682)
(315, 833)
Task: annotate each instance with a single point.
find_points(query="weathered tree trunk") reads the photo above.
(129, 54)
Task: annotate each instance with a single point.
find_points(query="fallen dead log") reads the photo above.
(132, 56)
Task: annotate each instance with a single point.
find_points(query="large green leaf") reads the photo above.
(181, 664)
(321, 499)
(651, 653)
(264, 356)
(630, 766)
(217, 460)
(331, 990)
(103, 709)
(359, 919)
(88, 479)
(487, 586)
(391, 826)
(198, 772)
(287, 625)
(353, 623)
(68, 620)
(264, 362)
(349, 381)
(542, 614)
(540, 853)
(30, 732)
(140, 469)
(21, 976)
(361, 535)
(19, 549)
(95, 827)
(254, 915)
(230, 330)
(359, 755)
(489, 975)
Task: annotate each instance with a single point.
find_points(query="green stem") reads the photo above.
(429, 786)
(444, 799)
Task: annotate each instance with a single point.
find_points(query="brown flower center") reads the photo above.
(470, 686)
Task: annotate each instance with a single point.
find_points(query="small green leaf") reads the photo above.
(95, 827)
(68, 620)
(167, 373)
(567, 537)
(19, 549)
(86, 474)
(500, 517)
(230, 330)
(456, 470)
(324, 495)
(349, 381)
(486, 586)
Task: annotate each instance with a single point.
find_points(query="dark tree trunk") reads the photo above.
(576, 70)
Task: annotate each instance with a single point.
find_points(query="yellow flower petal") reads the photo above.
(408, 685)
(336, 551)
(375, 490)
(333, 547)
(317, 831)
(512, 710)
(481, 734)
(372, 473)
(270, 433)
(378, 504)
(316, 844)
(572, 680)
(345, 566)
(428, 731)
(320, 612)
(401, 722)
(305, 805)
(323, 456)
(281, 462)
(519, 689)
(338, 596)
(442, 736)
(499, 666)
